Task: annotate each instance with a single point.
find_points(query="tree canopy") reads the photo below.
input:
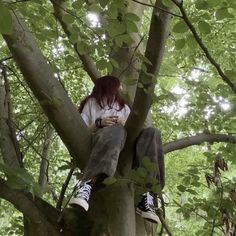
(180, 55)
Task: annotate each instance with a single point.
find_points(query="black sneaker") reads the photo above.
(146, 208)
(81, 195)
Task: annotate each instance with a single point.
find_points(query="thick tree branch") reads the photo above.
(154, 51)
(197, 140)
(144, 95)
(27, 207)
(8, 143)
(87, 61)
(208, 55)
(126, 55)
(55, 102)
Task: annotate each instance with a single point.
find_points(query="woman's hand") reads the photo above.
(121, 120)
(111, 120)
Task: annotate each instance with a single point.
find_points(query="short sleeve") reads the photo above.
(127, 111)
(86, 113)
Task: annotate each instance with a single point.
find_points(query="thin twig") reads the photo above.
(164, 224)
(76, 17)
(131, 59)
(5, 59)
(203, 47)
(220, 205)
(19, 1)
(21, 83)
(160, 8)
(63, 189)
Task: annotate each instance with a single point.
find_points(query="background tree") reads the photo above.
(52, 51)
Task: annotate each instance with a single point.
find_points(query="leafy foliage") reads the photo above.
(189, 98)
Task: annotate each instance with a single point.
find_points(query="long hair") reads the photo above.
(106, 92)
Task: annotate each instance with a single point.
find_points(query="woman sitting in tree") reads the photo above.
(105, 113)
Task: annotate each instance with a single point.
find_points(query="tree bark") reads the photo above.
(197, 140)
(88, 63)
(8, 145)
(112, 209)
(54, 100)
(39, 221)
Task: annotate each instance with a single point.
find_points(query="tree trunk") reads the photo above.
(112, 209)
(111, 213)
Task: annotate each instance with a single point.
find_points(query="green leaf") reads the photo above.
(127, 39)
(191, 191)
(222, 14)
(133, 175)
(103, 3)
(77, 4)
(117, 28)
(179, 44)
(201, 4)
(67, 18)
(148, 164)
(109, 68)
(5, 20)
(204, 27)
(181, 188)
(102, 64)
(196, 184)
(167, 3)
(95, 8)
(124, 38)
(142, 172)
(114, 63)
(129, 82)
(19, 178)
(74, 38)
(132, 17)
(119, 41)
(82, 47)
(191, 42)
(109, 180)
(131, 27)
(70, 59)
(231, 74)
(42, 11)
(113, 12)
(156, 189)
(64, 167)
(180, 27)
(214, 3)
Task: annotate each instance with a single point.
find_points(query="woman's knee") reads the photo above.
(112, 134)
(152, 130)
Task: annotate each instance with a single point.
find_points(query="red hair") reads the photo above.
(106, 89)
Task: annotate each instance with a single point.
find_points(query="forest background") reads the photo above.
(50, 54)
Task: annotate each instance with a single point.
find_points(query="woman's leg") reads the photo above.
(149, 145)
(107, 145)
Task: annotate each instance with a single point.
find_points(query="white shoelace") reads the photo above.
(149, 200)
(84, 191)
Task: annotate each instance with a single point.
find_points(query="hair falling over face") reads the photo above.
(106, 91)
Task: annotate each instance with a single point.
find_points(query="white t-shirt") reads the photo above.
(92, 111)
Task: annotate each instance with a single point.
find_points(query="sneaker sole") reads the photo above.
(148, 216)
(74, 202)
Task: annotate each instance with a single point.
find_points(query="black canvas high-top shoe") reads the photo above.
(146, 208)
(81, 194)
